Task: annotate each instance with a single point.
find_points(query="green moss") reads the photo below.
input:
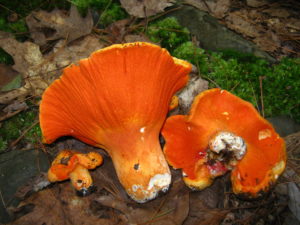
(5, 57)
(12, 128)
(83, 5)
(18, 26)
(113, 13)
(240, 73)
(109, 10)
(168, 32)
(3, 144)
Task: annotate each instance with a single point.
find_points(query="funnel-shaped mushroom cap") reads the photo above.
(117, 99)
(214, 112)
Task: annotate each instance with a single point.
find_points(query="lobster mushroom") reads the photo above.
(75, 166)
(224, 133)
(118, 99)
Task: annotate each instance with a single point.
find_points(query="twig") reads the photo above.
(23, 133)
(256, 102)
(3, 202)
(261, 96)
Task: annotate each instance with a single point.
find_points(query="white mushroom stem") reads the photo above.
(224, 143)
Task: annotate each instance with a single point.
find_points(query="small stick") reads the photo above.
(3, 202)
(24, 132)
(261, 95)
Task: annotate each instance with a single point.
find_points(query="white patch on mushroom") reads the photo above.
(189, 128)
(225, 113)
(184, 174)
(161, 181)
(202, 153)
(135, 187)
(278, 168)
(221, 91)
(263, 134)
(142, 130)
(230, 142)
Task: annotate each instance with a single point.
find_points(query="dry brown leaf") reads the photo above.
(145, 8)
(40, 70)
(117, 30)
(277, 12)
(217, 8)
(256, 3)
(204, 205)
(13, 109)
(238, 21)
(268, 42)
(136, 37)
(7, 74)
(59, 205)
(171, 209)
(46, 26)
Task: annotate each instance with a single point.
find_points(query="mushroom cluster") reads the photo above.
(118, 99)
(223, 132)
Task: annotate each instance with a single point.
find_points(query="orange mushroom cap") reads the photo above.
(118, 99)
(72, 165)
(214, 111)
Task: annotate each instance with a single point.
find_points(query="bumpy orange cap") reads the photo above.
(213, 111)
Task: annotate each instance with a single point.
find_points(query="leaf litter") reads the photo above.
(262, 22)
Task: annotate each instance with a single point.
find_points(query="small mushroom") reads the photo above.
(73, 165)
(222, 133)
(118, 100)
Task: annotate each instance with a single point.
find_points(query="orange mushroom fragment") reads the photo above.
(73, 165)
(174, 103)
(118, 99)
(222, 133)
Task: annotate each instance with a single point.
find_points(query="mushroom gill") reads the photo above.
(118, 99)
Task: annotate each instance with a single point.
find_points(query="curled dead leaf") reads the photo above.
(145, 8)
(46, 26)
(238, 21)
(217, 8)
(39, 70)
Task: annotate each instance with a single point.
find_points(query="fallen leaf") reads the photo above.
(268, 41)
(13, 109)
(64, 207)
(39, 70)
(145, 8)
(171, 209)
(9, 78)
(117, 30)
(217, 8)
(238, 21)
(277, 12)
(136, 37)
(204, 206)
(256, 3)
(47, 26)
(294, 199)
